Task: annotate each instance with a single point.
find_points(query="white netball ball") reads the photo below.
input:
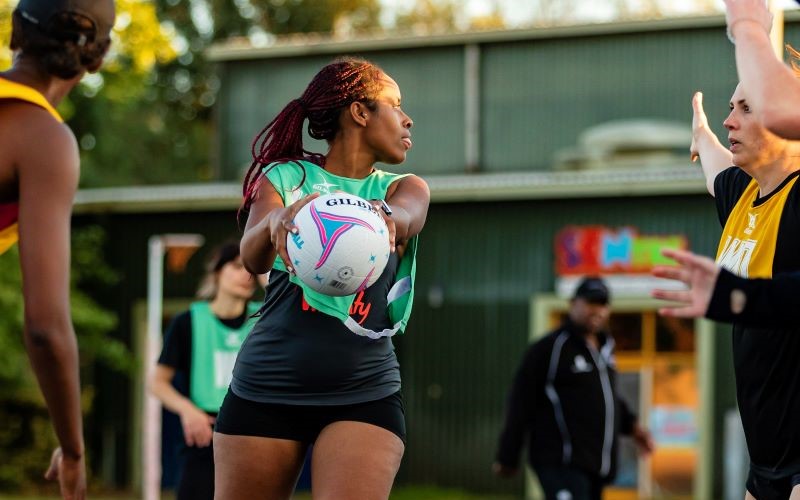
(342, 244)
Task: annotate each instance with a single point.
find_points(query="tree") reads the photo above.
(560, 12)
(26, 435)
(429, 16)
(115, 126)
(186, 87)
(146, 118)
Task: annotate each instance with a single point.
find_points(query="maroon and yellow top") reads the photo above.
(10, 211)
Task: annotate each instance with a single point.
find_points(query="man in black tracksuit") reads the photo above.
(564, 400)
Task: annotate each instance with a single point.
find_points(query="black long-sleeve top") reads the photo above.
(564, 403)
(768, 303)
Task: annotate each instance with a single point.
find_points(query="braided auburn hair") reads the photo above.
(331, 91)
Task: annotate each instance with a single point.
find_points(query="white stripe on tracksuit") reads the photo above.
(601, 361)
(550, 390)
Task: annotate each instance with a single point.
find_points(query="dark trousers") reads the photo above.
(196, 480)
(763, 488)
(566, 483)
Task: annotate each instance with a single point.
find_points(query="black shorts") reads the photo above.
(771, 489)
(242, 417)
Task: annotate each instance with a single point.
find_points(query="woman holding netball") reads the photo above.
(309, 372)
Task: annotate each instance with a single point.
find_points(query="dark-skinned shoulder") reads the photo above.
(413, 181)
(413, 194)
(32, 139)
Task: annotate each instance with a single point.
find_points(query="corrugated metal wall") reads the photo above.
(430, 82)
(537, 95)
(540, 95)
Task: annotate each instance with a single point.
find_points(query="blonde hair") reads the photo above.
(794, 59)
(207, 290)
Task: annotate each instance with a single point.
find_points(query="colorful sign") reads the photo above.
(674, 426)
(599, 250)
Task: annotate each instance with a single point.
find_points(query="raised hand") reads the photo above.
(699, 125)
(747, 11)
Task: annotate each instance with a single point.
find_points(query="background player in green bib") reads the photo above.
(202, 344)
(55, 43)
(314, 369)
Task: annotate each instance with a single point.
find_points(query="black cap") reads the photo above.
(593, 290)
(41, 12)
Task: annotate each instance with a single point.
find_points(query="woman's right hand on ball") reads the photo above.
(281, 224)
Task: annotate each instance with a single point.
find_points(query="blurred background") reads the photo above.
(554, 135)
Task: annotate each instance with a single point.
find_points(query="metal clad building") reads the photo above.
(255, 92)
(524, 94)
(491, 113)
(539, 94)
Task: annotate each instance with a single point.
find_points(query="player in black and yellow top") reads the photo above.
(718, 294)
(55, 42)
(773, 90)
(758, 205)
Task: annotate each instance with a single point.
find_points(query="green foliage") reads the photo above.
(306, 16)
(177, 107)
(26, 436)
(146, 118)
(430, 16)
(93, 323)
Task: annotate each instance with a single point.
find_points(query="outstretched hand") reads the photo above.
(747, 11)
(698, 273)
(70, 474)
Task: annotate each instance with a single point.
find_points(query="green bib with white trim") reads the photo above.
(296, 179)
(214, 350)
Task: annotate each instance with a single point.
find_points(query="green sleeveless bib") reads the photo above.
(287, 178)
(214, 350)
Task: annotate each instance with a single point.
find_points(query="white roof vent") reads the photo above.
(628, 143)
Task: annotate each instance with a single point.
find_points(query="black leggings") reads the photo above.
(197, 474)
(771, 489)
